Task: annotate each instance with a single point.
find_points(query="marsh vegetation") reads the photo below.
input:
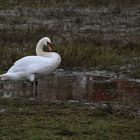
(86, 38)
(30, 120)
(70, 106)
(89, 35)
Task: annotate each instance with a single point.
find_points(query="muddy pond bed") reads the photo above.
(71, 105)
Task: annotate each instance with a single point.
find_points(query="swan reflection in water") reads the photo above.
(66, 87)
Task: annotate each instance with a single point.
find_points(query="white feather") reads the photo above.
(29, 66)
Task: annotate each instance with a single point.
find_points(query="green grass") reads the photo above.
(37, 120)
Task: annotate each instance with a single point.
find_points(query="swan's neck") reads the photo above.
(39, 49)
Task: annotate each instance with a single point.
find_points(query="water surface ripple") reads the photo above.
(65, 86)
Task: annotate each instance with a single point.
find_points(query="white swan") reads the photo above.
(30, 66)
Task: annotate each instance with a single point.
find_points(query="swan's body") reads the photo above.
(30, 66)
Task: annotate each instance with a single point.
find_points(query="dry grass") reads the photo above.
(74, 56)
(81, 3)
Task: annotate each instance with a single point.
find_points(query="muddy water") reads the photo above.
(65, 86)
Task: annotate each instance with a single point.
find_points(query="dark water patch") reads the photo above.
(74, 86)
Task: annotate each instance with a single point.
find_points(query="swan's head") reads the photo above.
(47, 42)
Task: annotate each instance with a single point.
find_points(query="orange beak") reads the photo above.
(49, 46)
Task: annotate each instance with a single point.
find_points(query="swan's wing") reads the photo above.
(28, 60)
(32, 64)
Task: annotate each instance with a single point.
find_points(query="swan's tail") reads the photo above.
(5, 76)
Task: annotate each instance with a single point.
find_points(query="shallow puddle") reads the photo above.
(81, 86)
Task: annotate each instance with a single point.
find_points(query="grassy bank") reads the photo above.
(24, 119)
(81, 3)
(80, 53)
(76, 56)
(86, 38)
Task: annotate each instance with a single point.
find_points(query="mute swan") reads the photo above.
(30, 66)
